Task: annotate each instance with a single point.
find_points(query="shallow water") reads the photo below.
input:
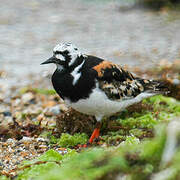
(123, 34)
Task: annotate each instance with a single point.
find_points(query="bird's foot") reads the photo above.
(88, 144)
(94, 139)
(79, 146)
(95, 135)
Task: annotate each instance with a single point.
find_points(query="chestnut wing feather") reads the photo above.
(117, 83)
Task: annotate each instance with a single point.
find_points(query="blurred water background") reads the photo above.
(117, 30)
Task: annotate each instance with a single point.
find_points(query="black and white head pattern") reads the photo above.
(67, 52)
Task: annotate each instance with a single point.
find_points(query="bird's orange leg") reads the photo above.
(95, 133)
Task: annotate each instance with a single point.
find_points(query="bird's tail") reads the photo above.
(154, 86)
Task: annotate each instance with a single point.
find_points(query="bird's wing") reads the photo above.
(117, 83)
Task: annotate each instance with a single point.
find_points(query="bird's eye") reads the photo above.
(75, 49)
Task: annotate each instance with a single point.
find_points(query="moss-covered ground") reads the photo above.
(133, 149)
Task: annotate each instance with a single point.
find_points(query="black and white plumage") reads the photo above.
(94, 86)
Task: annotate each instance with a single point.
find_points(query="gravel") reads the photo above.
(14, 152)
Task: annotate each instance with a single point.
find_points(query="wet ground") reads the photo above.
(110, 29)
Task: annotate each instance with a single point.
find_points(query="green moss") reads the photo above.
(44, 91)
(37, 91)
(91, 164)
(36, 170)
(152, 150)
(137, 132)
(133, 159)
(141, 119)
(67, 140)
(4, 178)
(144, 121)
(49, 155)
(48, 161)
(53, 139)
(131, 140)
(163, 101)
(113, 138)
(175, 166)
(137, 160)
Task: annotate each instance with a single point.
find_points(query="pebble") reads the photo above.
(176, 81)
(14, 152)
(7, 120)
(39, 139)
(1, 97)
(26, 139)
(7, 113)
(17, 102)
(63, 107)
(27, 97)
(7, 100)
(10, 140)
(55, 110)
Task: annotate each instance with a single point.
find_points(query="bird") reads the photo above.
(95, 86)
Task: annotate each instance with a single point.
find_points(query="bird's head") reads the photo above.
(65, 55)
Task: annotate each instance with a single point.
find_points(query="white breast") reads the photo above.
(99, 105)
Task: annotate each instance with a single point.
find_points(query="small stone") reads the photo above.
(1, 165)
(63, 107)
(1, 97)
(32, 101)
(19, 149)
(10, 140)
(7, 100)
(49, 104)
(7, 113)
(26, 98)
(43, 146)
(41, 139)
(55, 110)
(25, 139)
(8, 120)
(176, 81)
(40, 117)
(17, 102)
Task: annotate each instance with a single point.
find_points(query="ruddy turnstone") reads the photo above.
(95, 86)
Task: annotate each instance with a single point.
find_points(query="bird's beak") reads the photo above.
(50, 60)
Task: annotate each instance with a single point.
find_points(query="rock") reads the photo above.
(32, 110)
(39, 139)
(10, 140)
(26, 139)
(1, 97)
(17, 102)
(26, 98)
(55, 110)
(8, 120)
(176, 81)
(2, 109)
(40, 117)
(63, 107)
(7, 100)
(7, 113)
(49, 104)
